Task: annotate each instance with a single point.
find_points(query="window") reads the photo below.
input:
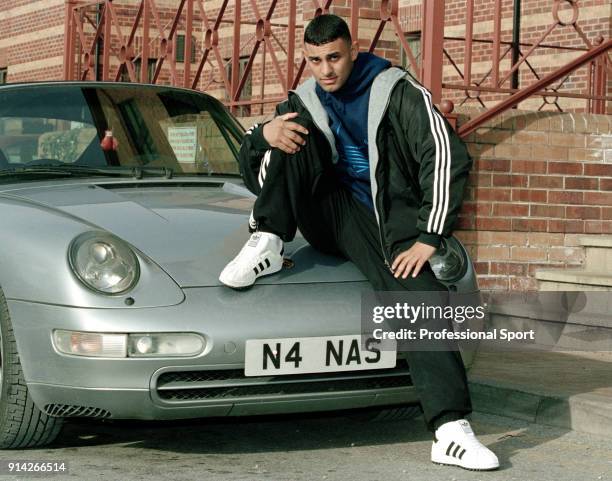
(243, 110)
(180, 48)
(152, 62)
(414, 42)
(3, 72)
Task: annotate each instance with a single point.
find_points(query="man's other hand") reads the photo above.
(283, 134)
(412, 259)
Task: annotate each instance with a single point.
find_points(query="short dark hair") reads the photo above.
(326, 28)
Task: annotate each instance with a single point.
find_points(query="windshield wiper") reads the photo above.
(209, 174)
(34, 171)
(137, 172)
(56, 170)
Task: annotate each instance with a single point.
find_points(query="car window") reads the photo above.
(117, 125)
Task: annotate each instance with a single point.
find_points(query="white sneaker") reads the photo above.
(457, 445)
(260, 256)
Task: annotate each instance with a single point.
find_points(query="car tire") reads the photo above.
(395, 413)
(22, 424)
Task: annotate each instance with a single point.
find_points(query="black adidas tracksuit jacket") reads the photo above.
(418, 165)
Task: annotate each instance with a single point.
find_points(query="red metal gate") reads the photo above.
(114, 40)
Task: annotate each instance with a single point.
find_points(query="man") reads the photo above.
(360, 160)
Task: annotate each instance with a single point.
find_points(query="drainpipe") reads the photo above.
(516, 39)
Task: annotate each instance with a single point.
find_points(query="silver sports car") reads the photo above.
(119, 206)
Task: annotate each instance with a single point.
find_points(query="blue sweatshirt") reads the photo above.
(347, 109)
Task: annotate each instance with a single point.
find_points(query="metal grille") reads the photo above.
(226, 384)
(69, 411)
(200, 376)
(149, 41)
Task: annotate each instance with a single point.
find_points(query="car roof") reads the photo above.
(94, 84)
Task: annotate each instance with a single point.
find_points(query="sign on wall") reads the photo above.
(184, 143)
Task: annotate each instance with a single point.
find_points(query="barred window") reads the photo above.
(180, 48)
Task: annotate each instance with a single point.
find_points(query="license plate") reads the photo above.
(271, 357)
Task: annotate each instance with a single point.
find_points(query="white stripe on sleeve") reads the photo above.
(441, 183)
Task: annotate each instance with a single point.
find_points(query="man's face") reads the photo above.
(331, 63)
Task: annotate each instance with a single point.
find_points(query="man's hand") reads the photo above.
(412, 259)
(283, 134)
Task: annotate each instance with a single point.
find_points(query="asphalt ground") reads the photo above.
(315, 447)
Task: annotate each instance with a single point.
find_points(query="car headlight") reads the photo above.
(104, 263)
(449, 262)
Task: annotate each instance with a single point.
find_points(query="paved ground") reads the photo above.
(312, 448)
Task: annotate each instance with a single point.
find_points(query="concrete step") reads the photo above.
(596, 241)
(594, 276)
(582, 309)
(559, 336)
(598, 253)
(573, 280)
(551, 388)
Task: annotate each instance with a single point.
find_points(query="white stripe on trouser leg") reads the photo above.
(441, 183)
(263, 167)
(265, 162)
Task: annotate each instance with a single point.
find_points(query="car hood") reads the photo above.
(191, 229)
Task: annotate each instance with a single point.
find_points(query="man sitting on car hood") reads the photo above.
(360, 160)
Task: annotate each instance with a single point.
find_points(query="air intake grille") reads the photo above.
(231, 384)
(69, 411)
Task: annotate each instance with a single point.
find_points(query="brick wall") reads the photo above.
(540, 180)
(32, 39)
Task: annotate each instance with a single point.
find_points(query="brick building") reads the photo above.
(541, 179)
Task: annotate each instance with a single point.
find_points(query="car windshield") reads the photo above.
(75, 128)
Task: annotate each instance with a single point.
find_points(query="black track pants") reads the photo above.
(301, 191)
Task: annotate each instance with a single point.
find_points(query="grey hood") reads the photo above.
(191, 229)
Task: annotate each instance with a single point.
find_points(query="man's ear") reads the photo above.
(354, 49)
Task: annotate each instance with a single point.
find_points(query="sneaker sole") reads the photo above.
(440, 463)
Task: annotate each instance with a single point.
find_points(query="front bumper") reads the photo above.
(68, 401)
(211, 384)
